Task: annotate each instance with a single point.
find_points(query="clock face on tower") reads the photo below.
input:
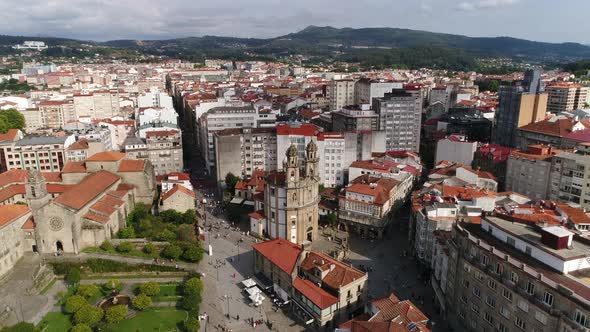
(56, 224)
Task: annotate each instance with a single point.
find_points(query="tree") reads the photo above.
(125, 247)
(189, 216)
(20, 327)
(89, 315)
(191, 324)
(193, 253)
(126, 233)
(230, 182)
(107, 246)
(87, 291)
(74, 303)
(332, 219)
(73, 276)
(192, 286)
(172, 251)
(81, 328)
(186, 233)
(141, 302)
(149, 288)
(192, 290)
(171, 216)
(140, 212)
(115, 314)
(13, 118)
(166, 235)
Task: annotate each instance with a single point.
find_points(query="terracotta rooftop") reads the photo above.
(88, 189)
(81, 144)
(132, 165)
(560, 126)
(177, 188)
(280, 252)
(74, 167)
(8, 213)
(339, 275)
(315, 294)
(107, 156)
(11, 135)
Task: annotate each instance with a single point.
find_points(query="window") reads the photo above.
(474, 308)
(478, 276)
(465, 283)
(491, 301)
(507, 294)
(505, 312)
(548, 299)
(464, 299)
(499, 268)
(476, 291)
(485, 260)
(502, 328)
(523, 305)
(541, 317)
(580, 317)
(514, 277)
(530, 288)
(488, 318)
(520, 323)
(492, 284)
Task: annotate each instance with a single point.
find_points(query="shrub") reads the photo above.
(186, 233)
(81, 328)
(89, 315)
(74, 303)
(126, 233)
(166, 235)
(116, 314)
(149, 249)
(107, 246)
(172, 251)
(125, 247)
(193, 253)
(150, 288)
(192, 294)
(189, 217)
(87, 291)
(73, 276)
(191, 324)
(141, 302)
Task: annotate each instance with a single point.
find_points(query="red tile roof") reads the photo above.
(11, 135)
(88, 189)
(160, 133)
(315, 294)
(29, 224)
(9, 213)
(178, 188)
(258, 215)
(96, 217)
(553, 127)
(74, 167)
(107, 156)
(339, 273)
(132, 165)
(280, 252)
(82, 144)
(303, 130)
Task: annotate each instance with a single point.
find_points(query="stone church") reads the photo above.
(289, 207)
(84, 205)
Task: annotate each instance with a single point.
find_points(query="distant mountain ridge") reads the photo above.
(347, 43)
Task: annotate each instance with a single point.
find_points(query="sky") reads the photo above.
(540, 20)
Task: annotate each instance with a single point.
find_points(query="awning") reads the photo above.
(248, 283)
(253, 290)
(262, 281)
(250, 203)
(236, 200)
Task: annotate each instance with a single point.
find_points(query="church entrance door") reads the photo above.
(59, 245)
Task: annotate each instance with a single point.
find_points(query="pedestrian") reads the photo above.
(238, 317)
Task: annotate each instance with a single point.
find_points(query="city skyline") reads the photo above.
(264, 18)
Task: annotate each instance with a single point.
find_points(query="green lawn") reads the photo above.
(169, 292)
(160, 319)
(55, 322)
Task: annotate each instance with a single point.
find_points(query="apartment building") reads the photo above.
(366, 89)
(521, 103)
(512, 276)
(558, 131)
(43, 153)
(528, 171)
(100, 104)
(242, 151)
(220, 118)
(55, 114)
(162, 148)
(355, 117)
(332, 164)
(400, 116)
(565, 97)
(570, 178)
(455, 148)
(340, 93)
(155, 98)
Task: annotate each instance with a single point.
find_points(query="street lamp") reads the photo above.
(227, 297)
(238, 246)
(217, 265)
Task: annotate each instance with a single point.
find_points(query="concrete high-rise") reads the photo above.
(566, 97)
(400, 116)
(521, 103)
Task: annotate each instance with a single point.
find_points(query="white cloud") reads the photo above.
(484, 4)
